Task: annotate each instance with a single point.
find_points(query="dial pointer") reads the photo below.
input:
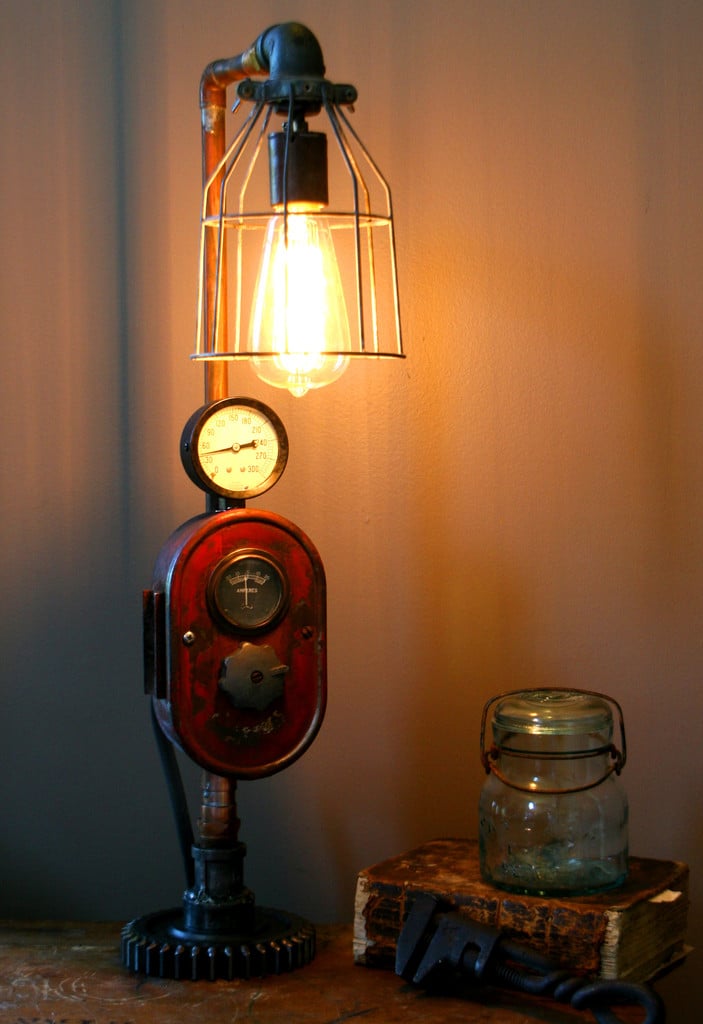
(232, 447)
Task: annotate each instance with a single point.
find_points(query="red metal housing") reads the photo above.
(188, 645)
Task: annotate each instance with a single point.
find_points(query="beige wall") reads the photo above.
(519, 503)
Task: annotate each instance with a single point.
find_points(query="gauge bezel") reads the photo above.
(227, 618)
(192, 459)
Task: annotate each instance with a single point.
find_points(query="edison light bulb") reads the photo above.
(299, 319)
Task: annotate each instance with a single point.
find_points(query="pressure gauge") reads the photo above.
(236, 447)
(248, 590)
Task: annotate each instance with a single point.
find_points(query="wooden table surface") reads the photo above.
(70, 973)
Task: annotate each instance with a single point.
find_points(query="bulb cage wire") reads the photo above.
(212, 327)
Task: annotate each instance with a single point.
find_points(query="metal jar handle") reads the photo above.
(489, 757)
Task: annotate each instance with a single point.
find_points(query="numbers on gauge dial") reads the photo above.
(235, 447)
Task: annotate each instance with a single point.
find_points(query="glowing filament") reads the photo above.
(299, 325)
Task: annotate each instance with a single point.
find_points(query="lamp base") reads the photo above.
(160, 945)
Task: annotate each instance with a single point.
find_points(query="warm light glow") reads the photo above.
(299, 314)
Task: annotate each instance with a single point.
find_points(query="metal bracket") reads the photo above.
(309, 92)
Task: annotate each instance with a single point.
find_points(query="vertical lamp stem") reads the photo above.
(213, 102)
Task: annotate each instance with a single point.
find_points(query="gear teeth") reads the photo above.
(156, 946)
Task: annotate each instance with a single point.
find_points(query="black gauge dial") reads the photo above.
(248, 590)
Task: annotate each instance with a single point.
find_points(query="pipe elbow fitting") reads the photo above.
(290, 50)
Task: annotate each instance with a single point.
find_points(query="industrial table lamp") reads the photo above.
(298, 275)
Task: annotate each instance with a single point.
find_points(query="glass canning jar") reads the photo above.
(552, 812)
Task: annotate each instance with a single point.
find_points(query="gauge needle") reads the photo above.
(236, 447)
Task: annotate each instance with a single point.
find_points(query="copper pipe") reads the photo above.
(218, 819)
(213, 101)
(219, 809)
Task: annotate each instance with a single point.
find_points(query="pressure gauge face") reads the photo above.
(236, 448)
(248, 590)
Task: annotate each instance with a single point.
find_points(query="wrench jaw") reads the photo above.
(415, 936)
(434, 938)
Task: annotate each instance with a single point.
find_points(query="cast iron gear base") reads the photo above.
(158, 945)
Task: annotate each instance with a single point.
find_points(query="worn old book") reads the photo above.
(632, 932)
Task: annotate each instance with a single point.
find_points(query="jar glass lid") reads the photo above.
(553, 712)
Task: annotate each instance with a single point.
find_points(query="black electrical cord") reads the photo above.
(177, 795)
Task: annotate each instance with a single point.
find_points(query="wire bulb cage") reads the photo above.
(297, 252)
